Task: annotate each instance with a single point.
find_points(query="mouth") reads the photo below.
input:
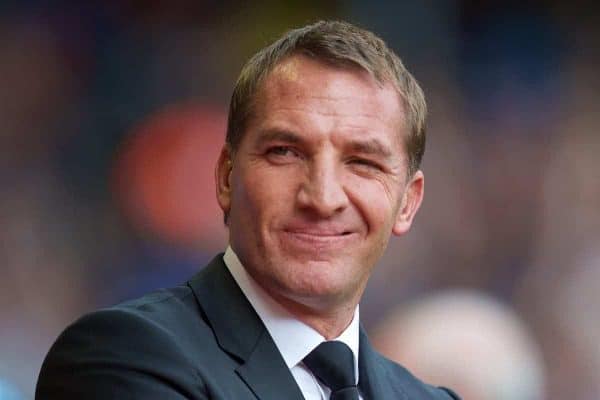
(319, 232)
(318, 239)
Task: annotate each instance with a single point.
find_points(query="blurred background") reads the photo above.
(112, 114)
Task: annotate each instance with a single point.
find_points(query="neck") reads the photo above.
(330, 322)
(328, 315)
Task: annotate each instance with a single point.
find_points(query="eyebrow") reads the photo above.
(272, 135)
(370, 146)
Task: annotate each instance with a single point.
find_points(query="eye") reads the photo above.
(279, 150)
(282, 153)
(365, 163)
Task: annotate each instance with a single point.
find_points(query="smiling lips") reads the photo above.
(310, 238)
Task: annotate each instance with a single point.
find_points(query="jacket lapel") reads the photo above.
(374, 382)
(241, 333)
(266, 373)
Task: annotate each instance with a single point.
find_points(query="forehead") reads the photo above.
(302, 84)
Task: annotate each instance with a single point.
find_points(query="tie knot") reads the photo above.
(333, 363)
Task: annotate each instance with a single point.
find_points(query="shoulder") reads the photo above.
(125, 347)
(163, 316)
(412, 386)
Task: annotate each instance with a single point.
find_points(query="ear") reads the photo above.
(223, 179)
(409, 204)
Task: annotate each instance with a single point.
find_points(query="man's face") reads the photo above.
(318, 183)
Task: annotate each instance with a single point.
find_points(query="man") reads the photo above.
(320, 166)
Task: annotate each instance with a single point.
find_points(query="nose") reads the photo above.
(322, 191)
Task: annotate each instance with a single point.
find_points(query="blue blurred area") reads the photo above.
(9, 392)
(511, 164)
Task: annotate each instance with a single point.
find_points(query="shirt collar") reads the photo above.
(293, 338)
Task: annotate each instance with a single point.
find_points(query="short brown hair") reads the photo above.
(340, 44)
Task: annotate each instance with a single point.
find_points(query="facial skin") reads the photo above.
(317, 186)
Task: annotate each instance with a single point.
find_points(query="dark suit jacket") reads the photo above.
(202, 340)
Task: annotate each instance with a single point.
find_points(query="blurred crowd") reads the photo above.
(112, 113)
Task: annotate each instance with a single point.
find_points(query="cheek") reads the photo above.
(263, 194)
(375, 202)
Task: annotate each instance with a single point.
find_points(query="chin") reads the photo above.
(320, 286)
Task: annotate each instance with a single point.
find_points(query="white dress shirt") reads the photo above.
(294, 339)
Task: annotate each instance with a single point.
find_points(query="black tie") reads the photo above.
(333, 363)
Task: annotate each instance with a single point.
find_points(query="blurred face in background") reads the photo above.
(318, 183)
